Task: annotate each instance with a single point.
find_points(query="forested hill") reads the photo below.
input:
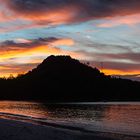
(61, 78)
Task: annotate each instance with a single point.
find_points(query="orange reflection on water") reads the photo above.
(123, 113)
(23, 108)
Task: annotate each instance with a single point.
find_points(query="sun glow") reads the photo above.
(119, 72)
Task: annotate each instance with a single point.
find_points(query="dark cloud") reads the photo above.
(83, 9)
(13, 45)
(121, 66)
(36, 5)
(134, 57)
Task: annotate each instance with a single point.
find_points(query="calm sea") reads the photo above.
(107, 117)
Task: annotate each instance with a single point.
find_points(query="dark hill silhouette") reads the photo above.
(63, 67)
(61, 78)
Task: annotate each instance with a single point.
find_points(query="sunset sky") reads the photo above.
(103, 32)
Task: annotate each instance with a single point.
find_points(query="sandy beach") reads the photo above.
(17, 130)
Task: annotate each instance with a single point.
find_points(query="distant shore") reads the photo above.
(17, 130)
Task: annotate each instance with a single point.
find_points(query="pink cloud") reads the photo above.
(56, 12)
(130, 20)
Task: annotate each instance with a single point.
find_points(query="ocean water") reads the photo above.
(121, 117)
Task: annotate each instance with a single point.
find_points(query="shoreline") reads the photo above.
(21, 130)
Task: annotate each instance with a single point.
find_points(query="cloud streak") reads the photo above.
(14, 69)
(132, 57)
(116, 21)
(22, 44)
(16, 55)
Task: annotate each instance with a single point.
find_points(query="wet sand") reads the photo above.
(17, 130)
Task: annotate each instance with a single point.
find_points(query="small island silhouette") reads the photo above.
(63, 79)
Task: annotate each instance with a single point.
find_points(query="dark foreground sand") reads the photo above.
(17, 130)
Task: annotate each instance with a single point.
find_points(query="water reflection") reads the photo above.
(78, 112)
(116, 117)
(23, 108)
(123, 113)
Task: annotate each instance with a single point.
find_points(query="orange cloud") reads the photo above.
(38, 48)
(119, 72)
(29, 52)
(61, 16)
(6, 71)
(68, 42)
(39, 13)
(40, 17)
